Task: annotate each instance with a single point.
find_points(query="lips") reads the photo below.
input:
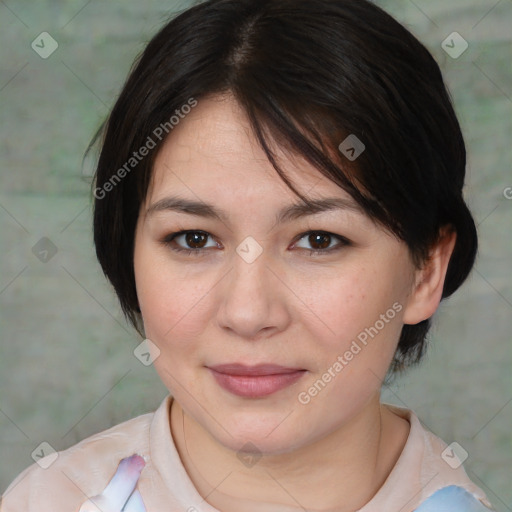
(255, 381)
(257, 370)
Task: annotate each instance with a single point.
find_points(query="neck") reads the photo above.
(340, 472)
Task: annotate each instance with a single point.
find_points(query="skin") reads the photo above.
(287, 307)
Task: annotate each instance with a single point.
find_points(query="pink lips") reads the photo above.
(255, 381)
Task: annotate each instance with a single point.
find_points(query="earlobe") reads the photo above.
(428, 288)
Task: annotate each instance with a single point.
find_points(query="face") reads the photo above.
(322, 295)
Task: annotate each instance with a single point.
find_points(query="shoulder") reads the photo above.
(437, 470)
(67, 477)
(452, 499)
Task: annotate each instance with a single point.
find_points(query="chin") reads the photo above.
(262, 445)
(256, 434)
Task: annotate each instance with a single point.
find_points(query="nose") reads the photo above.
(253, 302)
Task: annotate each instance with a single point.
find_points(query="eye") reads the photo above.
(321, 241)
(195, 240)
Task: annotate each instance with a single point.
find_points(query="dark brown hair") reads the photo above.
(308, 73)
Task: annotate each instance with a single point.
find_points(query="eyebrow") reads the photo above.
(287, 214)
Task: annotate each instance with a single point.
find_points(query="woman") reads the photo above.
(278, 205)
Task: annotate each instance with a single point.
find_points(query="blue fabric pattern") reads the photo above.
(452, 499)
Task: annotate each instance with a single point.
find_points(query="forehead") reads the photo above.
(213, 150)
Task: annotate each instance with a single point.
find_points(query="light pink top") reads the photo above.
(84, 470)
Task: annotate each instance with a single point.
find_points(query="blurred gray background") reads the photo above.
(67, 368)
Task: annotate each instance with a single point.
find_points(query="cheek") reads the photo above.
(358, 317)
(173, 308)
(172, 300)
(341, 304)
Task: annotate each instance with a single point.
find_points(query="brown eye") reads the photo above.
(321, 241)
(195, 239)
(192, 242)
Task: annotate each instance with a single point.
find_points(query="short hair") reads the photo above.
(308, 74)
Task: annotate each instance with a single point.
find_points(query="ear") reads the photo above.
(428, 287)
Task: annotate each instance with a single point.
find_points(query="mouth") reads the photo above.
(255, 381)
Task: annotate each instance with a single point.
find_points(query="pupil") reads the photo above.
(320, 236)
(194, 238)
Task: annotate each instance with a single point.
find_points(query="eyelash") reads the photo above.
(168, 239)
